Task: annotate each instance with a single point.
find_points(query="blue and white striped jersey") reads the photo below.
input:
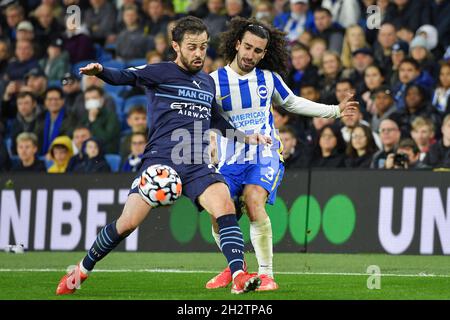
(246, 102)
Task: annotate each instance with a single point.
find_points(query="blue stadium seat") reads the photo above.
(133, 101)
(48, 163)
(76, 67)
(114, 64)
(101, 54)
(113, 161)
(119, 104)
(135, 63)
(117, 90)
(55, 83)
(8, 143)
(15, 161)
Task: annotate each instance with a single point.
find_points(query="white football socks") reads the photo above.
(261, 237)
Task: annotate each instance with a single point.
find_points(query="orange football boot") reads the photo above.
(70, 282)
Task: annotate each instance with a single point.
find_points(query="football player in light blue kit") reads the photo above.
(246, 88)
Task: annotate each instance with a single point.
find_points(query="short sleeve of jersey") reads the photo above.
(281, 91)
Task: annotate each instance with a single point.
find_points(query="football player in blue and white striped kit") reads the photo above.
(246, 88)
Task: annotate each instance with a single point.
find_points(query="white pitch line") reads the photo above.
(420, 275)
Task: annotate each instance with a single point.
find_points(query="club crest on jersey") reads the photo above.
(262, 91)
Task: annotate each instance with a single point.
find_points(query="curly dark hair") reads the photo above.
(276, 58)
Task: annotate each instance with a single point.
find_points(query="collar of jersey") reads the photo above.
(248, 75)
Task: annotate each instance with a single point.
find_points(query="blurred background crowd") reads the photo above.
(53, 120)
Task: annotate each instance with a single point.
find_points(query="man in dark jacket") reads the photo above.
(295, 153)
(439, 154)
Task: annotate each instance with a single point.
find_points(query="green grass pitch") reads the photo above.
(165, 276)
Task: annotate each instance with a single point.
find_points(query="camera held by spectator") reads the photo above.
(406, 157)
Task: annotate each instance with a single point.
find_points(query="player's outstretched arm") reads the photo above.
(110, 75)
(92, 69)
(284, 97)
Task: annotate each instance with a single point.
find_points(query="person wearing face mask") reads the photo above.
(264, 12)
(103, 124)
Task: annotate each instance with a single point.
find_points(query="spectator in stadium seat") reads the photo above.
(416, 104)
(132, 43)
(360, 148)
(373, 79)
(302, 69)
(384, 106)
(56, 63)
(132, 162)
(400, 51)
(60, 152)
(345, 13)
(361, 59)
(36, 82)
(405, 34)
(390, 137)
(103, 124)
(386, 39)
(14, 15)
(155, 20)
(329, 149)
(330, 73)
(295, 152)
(439, 154)
(409, 149)
(71, 87)
(354, 39)
(93, 160)
(235, 8)
(294, 22)
(343, 88)
(317, 48)
(326, 29)
(137, 121)
(420, 53)
(27, 148)
(441, 95)
(215, 20)
(153, 57)
(100, 19)
(405, 13)
(47, 27)
(409, 72)
(27, 114)
(87, 82)
(78, 43)
(80, 135)
(423, 135)
(264, 12)
(55, 121)
(436, 13)
(22, 62)
(120, 25)
(4, 57)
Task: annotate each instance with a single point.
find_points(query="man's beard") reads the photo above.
(190, 67)
(242, 66)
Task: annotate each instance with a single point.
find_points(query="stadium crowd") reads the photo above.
(53, 120)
